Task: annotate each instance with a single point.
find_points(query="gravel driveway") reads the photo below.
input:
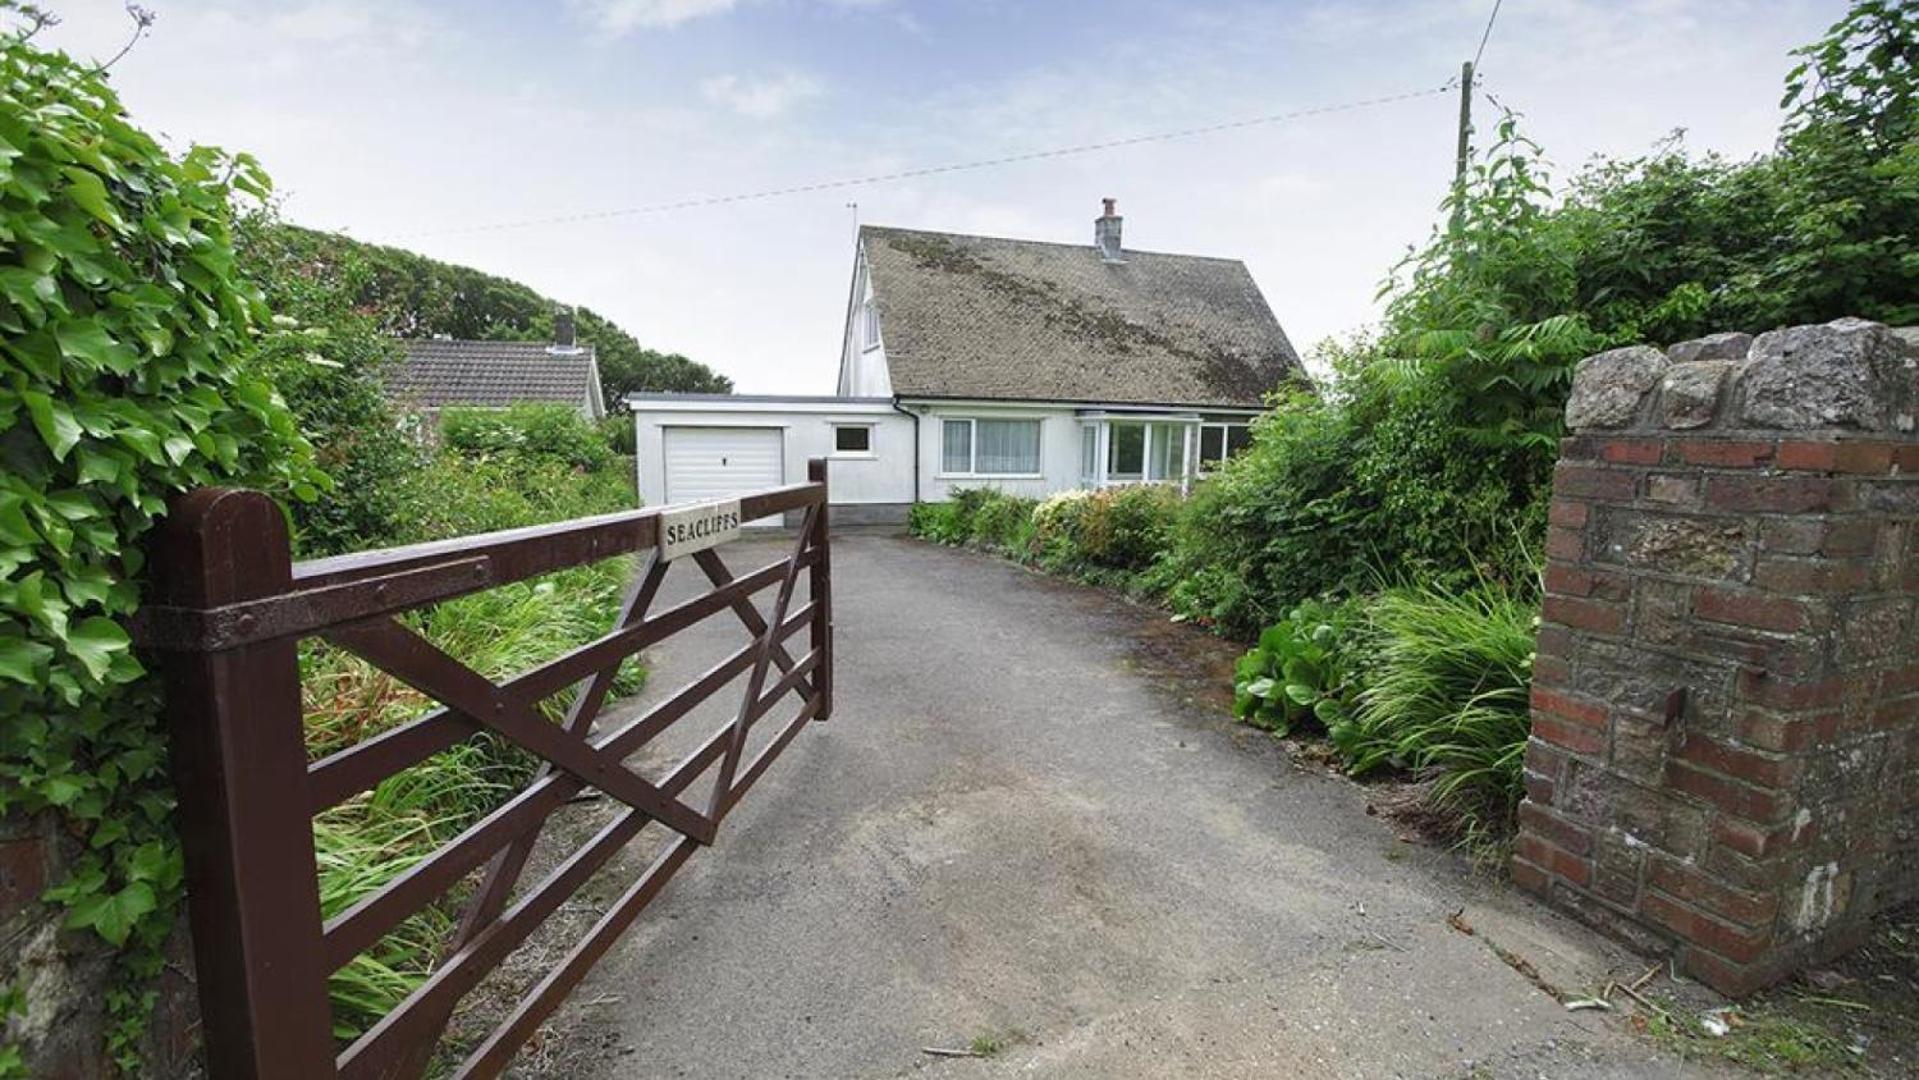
(1031, 819)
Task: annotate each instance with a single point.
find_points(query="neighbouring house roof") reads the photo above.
(984, 317)
(436, 373)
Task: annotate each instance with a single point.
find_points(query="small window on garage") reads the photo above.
(852, 438)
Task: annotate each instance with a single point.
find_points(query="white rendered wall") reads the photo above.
(883, 476)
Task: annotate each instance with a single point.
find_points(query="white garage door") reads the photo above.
(722, 462)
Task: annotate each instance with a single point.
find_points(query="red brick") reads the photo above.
(1750, 609)
(1730, 979)
(1578, 448)
(1584, 713)
(1632, 451)
(1578, 739)
(23, 874)
(1536, 850)
(1850, 536)
(1787, 734)
(1760, 689)
(1816, 577)
(1592, 482)
(1890, 715)
(1571, 581)
(1741, 800)
(1567, 512)
(1846, 457)
(1769, 494)
(1755, 841)
(1693, 885)
(1793, 536)
(1530, 878)
(1556, 830)
(1543, 767)
(1895, 682)
(1723, 452)
(1565, 544)
(1731, 942)
(1738, 762)
(1598, 616)
(1551, 670)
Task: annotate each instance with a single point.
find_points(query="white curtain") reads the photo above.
(1007, 446)
(956, 439)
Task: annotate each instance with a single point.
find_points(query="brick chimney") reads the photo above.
(563, 335)
(1106, 231)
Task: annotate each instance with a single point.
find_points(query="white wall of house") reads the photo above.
(863, 371)
(882, 476)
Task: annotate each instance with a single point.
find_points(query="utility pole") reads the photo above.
(1465, 124)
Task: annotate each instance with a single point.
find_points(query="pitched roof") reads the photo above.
(437, 372)
(984, 317)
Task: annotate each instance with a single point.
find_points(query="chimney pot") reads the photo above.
(1106, 232)
(563, 328)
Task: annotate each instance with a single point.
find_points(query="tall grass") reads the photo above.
(368, 840)
(1446, 696)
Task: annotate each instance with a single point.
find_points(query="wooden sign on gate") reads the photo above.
(695, 528)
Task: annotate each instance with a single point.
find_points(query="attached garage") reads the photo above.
(691, 447)
(721, 462)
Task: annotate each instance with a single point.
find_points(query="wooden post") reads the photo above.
(820, 584)
(238, 758)
(1465, 127)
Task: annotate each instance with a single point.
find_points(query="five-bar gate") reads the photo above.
(230, 610)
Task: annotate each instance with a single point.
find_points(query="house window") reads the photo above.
(869, 325)
(1217, 442)
(1126, 453)
(853, 439)
(1167, 461)
(990, 447)
(1088, 454)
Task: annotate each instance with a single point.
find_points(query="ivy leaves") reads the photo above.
(123, 329)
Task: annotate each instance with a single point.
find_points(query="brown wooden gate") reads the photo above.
(230, 610)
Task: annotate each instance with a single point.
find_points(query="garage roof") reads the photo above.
(983, 317)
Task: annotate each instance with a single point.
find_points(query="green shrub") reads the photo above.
(550, 432)
(1127, 528)
(122, 329)
(328, 359)
(1301, 671)
(1003, 523)
(1380, 474)
(939, 522)
(1448, 677)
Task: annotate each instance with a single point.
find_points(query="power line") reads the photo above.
(1487, 36)
(936, 170)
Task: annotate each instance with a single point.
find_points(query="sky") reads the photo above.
(437, 126)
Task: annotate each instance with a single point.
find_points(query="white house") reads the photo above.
(974, 361)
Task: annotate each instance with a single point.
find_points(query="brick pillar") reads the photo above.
(1725, 745)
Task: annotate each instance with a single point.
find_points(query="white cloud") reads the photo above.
(761, 98)
(622, 16)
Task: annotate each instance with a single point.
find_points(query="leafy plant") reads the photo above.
(1299, 672)
(554, 433)
(1447, 696)
(123, 326)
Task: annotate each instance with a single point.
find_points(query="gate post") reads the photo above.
(820, 585)
(239, 765)
(1724, 758)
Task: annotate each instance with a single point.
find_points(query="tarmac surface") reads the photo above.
(1031, 822)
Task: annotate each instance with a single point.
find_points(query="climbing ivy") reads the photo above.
(122, 326)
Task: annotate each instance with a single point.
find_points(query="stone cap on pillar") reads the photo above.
(1846, 375)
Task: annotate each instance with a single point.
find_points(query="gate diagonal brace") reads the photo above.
(419, 663)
